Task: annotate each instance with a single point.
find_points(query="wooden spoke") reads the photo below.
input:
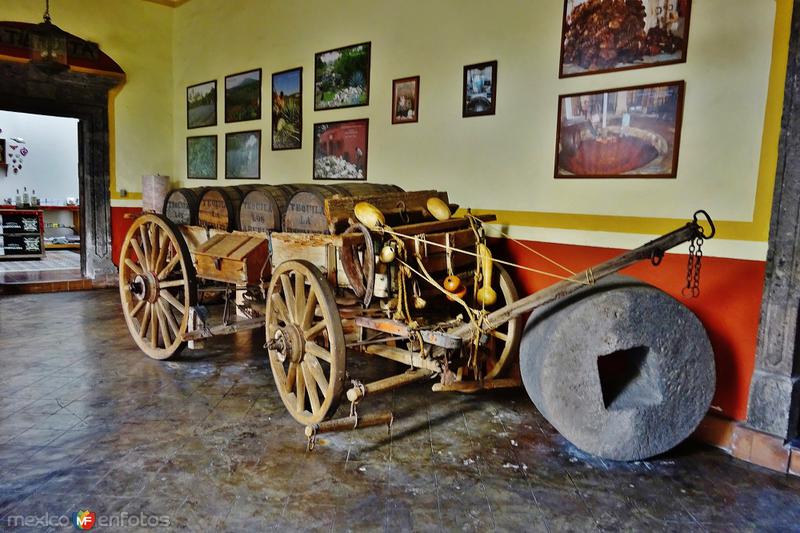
(504, 350)
(288, 295)
(167, 269)
(167, 312)
(171, 283)
(162, 324)
(499, 334)
(290, 377)
(153, 246)
(137, 307)
(317, 372)
(311, 306)
(163, 248)
(300, 391)
(133, 266)
(318, 351)
(312, 332)
(153, 327)
(139, 253)
(311, 387)
(145, 242)
(299, 296)
(172, 301)
(145, 321)
(280, 308)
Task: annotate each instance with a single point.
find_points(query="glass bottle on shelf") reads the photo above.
(26, 201)
(18, 200)
(34, 199)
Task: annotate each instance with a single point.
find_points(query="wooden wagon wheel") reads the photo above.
(305, 341)
(502, 347)
(157, 285)
(358, 263)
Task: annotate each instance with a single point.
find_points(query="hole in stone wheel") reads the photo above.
(627, 379)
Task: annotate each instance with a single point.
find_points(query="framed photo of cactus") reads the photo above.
(607, 36)
(287, 109)
(340, 150)
(201, 157)
(341, 77)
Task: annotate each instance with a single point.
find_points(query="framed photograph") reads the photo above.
(201, 105)
(340, 150)
(480, 89)
(243, 155)
(632, 132)
(243, 96)
(341, 77)
(201, 157)
(287, 109)
(405, 100)
(602, 36)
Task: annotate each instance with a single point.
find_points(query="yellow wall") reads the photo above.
(136, 35)
(505, 162)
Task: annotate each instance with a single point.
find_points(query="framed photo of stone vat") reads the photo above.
(201, 105)
(631, 132)
(201, 157)
(480, 89)
(243, 96)
(340, 150)
(341, 77)
(611, 35)
(405, 100)
(243, 155)
(287, 109)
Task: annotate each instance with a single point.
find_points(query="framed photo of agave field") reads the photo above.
(603, 36)
(201, 157)
(630, 132)
(201, 105)
(340, 150)
(243, 96)
(243, 155)
(287, 109)
(341, 77)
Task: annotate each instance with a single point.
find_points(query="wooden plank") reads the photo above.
(248, 246)
(225, 246)
(402, 356)
(395, 327)
(439, 226)
(395, 206)
(463, 238)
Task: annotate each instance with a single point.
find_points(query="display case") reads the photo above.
(21, 234)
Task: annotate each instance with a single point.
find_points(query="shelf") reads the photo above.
(44, 207)
(70, 246)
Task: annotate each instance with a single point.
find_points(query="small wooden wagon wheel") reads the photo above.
(503, 344)
(358, 263)
(305, 341)
(156, 285)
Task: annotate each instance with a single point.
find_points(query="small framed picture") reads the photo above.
(599, 36)
(341, 77)
(243, 155)
(201, 105)
(480, 89)
(340, 150)
(243, 96)
(631, 132)
(287, 109)
(405, 100)
(201, 157)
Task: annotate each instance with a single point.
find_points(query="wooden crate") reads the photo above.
(232, 258)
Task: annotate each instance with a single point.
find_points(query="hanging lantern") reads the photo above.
(49, 45)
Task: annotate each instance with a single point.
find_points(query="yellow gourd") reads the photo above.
(437, 208)
(369, 215)
(486, 294)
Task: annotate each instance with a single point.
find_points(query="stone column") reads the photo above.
(775, 387)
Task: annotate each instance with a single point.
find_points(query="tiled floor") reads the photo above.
(88, 422)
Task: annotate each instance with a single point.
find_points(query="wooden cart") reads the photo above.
(322, 298)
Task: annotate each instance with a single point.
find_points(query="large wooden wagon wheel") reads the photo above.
(157, 285)
(502, 347)
(305, 341)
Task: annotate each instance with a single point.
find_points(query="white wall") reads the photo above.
(51, 166)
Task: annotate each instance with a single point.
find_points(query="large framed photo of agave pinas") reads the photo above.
(631, 132)
(341, 77)
(340, 150)
(243, 96)
(611, 35)
(287, 109)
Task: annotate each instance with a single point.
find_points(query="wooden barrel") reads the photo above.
(305, 212)
(181, 205)
(264, 206)
(219, 208)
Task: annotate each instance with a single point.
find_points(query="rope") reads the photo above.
(498, 261)
(522, 244)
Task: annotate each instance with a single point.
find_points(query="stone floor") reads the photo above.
(204, 443)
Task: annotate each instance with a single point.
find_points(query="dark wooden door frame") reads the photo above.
(25, 89)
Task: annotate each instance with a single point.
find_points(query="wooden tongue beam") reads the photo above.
(350, 422)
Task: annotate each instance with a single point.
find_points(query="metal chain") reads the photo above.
(692, 288)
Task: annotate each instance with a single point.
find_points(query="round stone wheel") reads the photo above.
(621, 369)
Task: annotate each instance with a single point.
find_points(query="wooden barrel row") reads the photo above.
(262, 208)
